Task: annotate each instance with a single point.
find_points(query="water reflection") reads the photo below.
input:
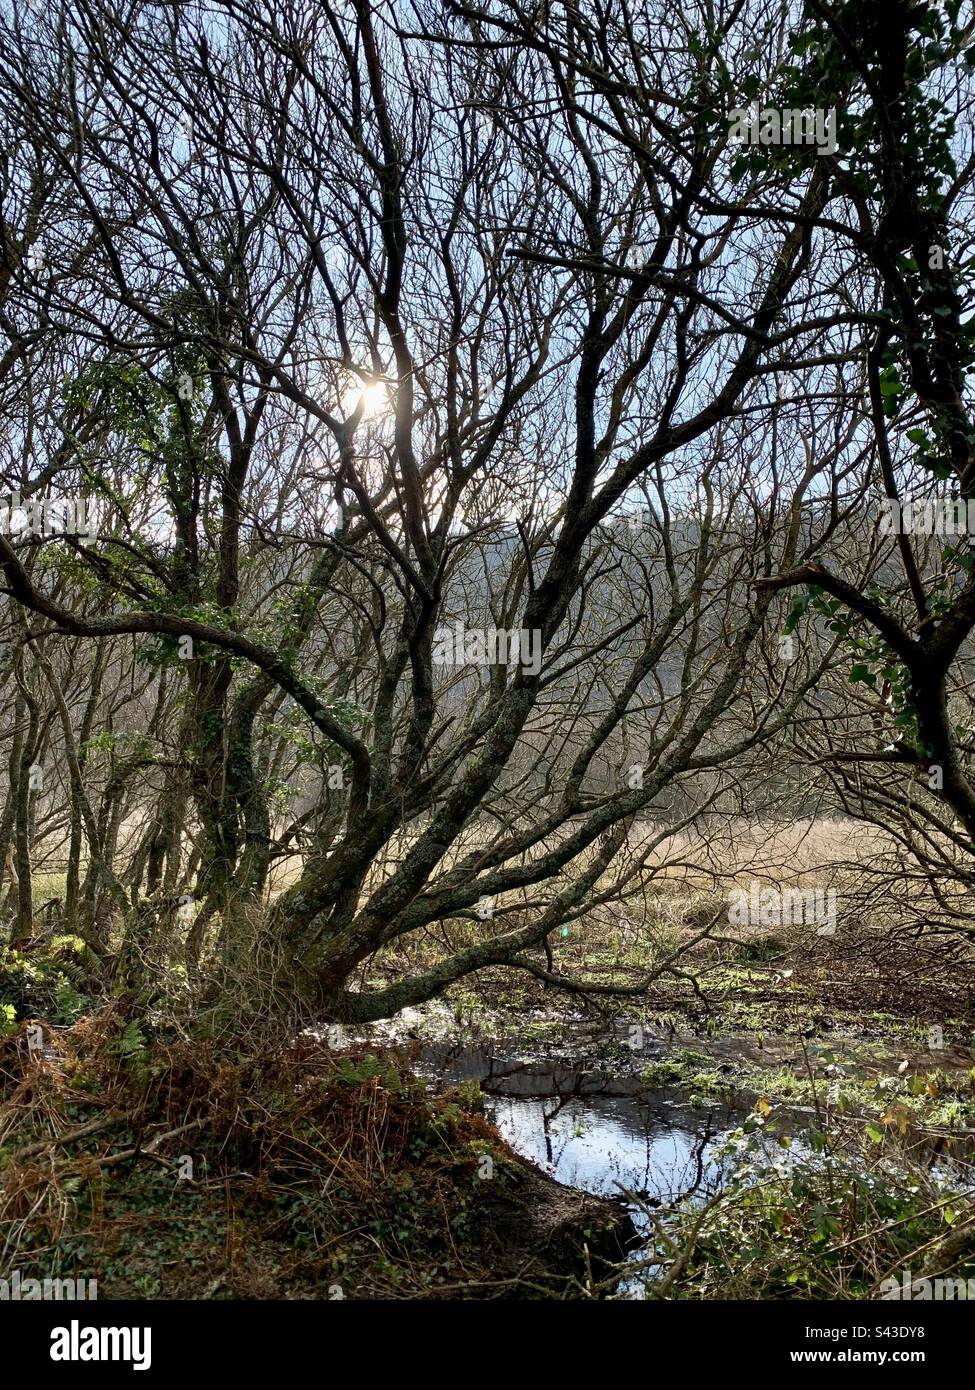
(606, 1134)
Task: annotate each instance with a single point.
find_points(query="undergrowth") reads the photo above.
(175, 1170)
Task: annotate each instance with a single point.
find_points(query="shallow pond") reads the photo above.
(606, 1134)
(609, 1133)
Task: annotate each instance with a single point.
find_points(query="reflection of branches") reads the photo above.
(701, 1144)
(680, 1259)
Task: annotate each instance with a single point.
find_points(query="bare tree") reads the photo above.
(433, 384)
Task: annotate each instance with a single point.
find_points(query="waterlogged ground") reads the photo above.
(654, 1118)
(580, 1102)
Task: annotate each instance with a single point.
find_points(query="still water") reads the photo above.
(606, 1134)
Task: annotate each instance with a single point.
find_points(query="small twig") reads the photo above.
(69, 1136)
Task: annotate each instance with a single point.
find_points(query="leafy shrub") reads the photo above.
(41, 984)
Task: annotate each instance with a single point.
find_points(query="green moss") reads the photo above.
(681, 1066)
